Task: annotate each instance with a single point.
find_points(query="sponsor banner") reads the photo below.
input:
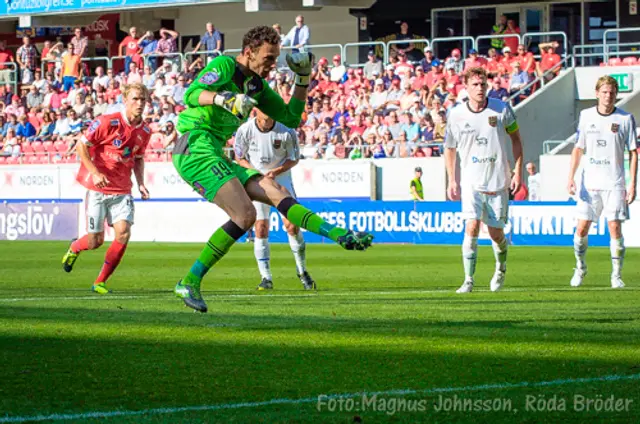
(38, 221)
(530, 224)
(334, 179)
(29, 182)
(36, 7)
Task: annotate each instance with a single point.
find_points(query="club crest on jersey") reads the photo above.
(114, 123)
(117, 143)
(209, 78)
(493, 121)
(277, 143)
(615, 128)
(199, 188)
(94, 126)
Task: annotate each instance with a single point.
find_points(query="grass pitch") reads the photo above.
(385, 321)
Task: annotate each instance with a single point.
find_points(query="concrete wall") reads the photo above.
(327, 25)
(549, 114)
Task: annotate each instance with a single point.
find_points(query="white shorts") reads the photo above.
(112, 207)
(593, 203)
(262, 210)
(491, 209)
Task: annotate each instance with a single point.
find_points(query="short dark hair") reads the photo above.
(257, 36)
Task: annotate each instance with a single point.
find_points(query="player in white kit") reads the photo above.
(478, 130)
(272, 149)
(604, 133)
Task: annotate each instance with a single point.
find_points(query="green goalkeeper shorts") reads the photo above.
(201, 162)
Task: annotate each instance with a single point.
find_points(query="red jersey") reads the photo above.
(549, 60)
(131, 46)
(113, 145)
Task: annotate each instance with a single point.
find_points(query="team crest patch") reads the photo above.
(94, 126)
(117, 142)
(615, 128)
(277, 144)
(493, 121)
(114, 123)
(209, 78)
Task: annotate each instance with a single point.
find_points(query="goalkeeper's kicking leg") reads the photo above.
(235, 200)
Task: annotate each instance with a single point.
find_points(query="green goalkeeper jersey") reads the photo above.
(225, 74)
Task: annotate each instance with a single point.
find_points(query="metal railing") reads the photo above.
(171, 57)
(565, 40)
(370, 44)
(540, 78)
(463, 39)
(479, 38)
(419, 41)
(105, 59)
(614, 31)
(321, 50)
(12, 73)
(550, 145)
(206, 53)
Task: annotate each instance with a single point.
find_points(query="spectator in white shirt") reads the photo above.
(100, 79)
(338, 71)
(298, 37)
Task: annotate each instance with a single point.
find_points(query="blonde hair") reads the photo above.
(607, 80)
(136, 86)
(475, 72)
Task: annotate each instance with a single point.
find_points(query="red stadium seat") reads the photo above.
(49, 147)
(615, 61)
(26, 147)
(13, 160)
(155, 143)
(37, 147)
(154, 127)
(60, 146)
(33, 159)
(3, 160)
(630, 61)
(603, 64)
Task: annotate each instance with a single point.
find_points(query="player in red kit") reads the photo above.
(111, 148)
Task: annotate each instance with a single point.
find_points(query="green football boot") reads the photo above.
(191, 296)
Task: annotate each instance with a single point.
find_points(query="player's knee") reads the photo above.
(94, 241)
(123, 237)
(262, 228)
(291, 229)
(246, 219)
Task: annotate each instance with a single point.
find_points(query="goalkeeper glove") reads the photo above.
(300, 63)
(240, 105)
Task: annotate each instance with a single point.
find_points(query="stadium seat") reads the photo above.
(630, 61)
(37, 146)
(602, 64)
(27, 148)
(155, 143)
(3, 160)
(33, 159)
(615, 61)
(48, 146)
(13, 160)
(60, 146)
(154, 127)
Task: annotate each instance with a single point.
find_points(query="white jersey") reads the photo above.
(604, 139)
(266, 150)
(481, 140)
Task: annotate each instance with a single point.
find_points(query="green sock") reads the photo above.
(304, 218)
(217, 246)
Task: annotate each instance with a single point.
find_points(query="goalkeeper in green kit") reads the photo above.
(218, 101)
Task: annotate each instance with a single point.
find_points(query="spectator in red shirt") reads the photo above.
(435, 74)
(129, 48)
(527, 61)
(507, 60)
(549, 60)
(357, 126)
(403, 68)
(473, 61)
(420, 80)
(493, 60)
(511, 42)
(5, 57)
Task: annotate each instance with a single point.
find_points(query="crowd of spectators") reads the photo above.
(377, 110)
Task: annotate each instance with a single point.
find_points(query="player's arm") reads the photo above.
(293, 156)
(138, 171)
(632, 145)
(576, 156)
(94, 135)
(511, 126)
(450, 151)
(241, 148)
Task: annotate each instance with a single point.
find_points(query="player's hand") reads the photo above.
(99, 180)
(515, 183)
(631, 195)
(144, 193)
(452, 190)
(270, 174)
(240, 105)
(571, 186)
(300, 64)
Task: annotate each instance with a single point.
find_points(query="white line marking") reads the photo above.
(214, 296)
(284, 401)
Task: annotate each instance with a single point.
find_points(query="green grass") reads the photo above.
(386, 319)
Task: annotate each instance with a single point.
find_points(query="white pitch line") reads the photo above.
(213, 296)
(285, 401)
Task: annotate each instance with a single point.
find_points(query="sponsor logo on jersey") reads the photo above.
(593, 130)
(467, 129)
(615, 128)
(481, 141)
(209, 78)
(493, 121)
(117, 143)
(126, 152)
(601, 143)
(488, 159)
(94, 126)
(146, 129)
(604, 161)
(114, 122)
